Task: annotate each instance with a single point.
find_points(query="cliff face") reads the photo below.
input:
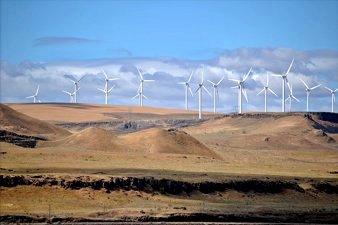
(165, 186)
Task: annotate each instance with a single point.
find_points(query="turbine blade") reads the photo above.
(315, 87)
(37, 90)
(295, 98)
(30, 96)
(234, 80)
(81, 78)
(104, 73)
(67, 92)
(114, 78)
(304, 83)
(181, 83)
(234, 87)
(245, 95)
(211, 82)
(206, 90)
(145, 97)
(99, 90)
(111, 88)
(290, 67)
(192, 72)
(272, 92)
(135, 96)
(247, 75)
(192, 94)
(267, 79)
(261, 91)
(198, 89)
(328, 89)
(139, 72)
(70, 77)
(335, 90)
(148, 80)
(220, 81)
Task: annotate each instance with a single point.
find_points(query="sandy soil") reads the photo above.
(93, 112)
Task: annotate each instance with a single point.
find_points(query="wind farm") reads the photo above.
(168, 112)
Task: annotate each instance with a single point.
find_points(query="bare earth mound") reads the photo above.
(17, 122)
(170, 141)
(92, 138)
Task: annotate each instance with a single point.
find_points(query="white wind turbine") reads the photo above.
(291, 96)
(187, 87)
(105, 90)
(71, 95)
(308, 90)
(215, 86)
(266, 89)
(76, 84)
(285, 80)
(140, 96)
(200, 94)
(35, 99)
(241, 90)
(333, 97)
(140, 89)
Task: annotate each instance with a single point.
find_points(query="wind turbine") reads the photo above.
(285, 80)
(266, 89)
(187, 87)
(200, 94)
(71, 95)
(140, 90)
(105, 90)
(215, 86)
(140, 95)
(241, 90)
(333, 93)
(291, 96)
(307, 89)
(76, 83)
(35, 95)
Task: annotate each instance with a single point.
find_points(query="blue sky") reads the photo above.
(43, 40)
(180, 29)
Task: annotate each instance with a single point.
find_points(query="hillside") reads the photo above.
(14, 121)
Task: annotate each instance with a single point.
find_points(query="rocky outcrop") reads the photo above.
(165, 186)
(18, 139)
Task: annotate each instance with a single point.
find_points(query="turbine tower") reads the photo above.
(266, 89)
(241, 90)
(35, 99)
(291, 96)
(333, 97)
(187, 87)
(76, 85)
(140, 90)
(215, 85)
(285, 80)
(105, 90)
(308, 90)
(200, 94)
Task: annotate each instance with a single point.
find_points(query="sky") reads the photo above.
(41, 41)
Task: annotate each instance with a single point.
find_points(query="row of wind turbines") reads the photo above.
(201, 86)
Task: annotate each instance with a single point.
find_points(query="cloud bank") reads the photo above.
(20, 80)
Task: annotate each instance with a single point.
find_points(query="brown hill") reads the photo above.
(170, 141)
(92, 138)
(20, 123)
(273, 131)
